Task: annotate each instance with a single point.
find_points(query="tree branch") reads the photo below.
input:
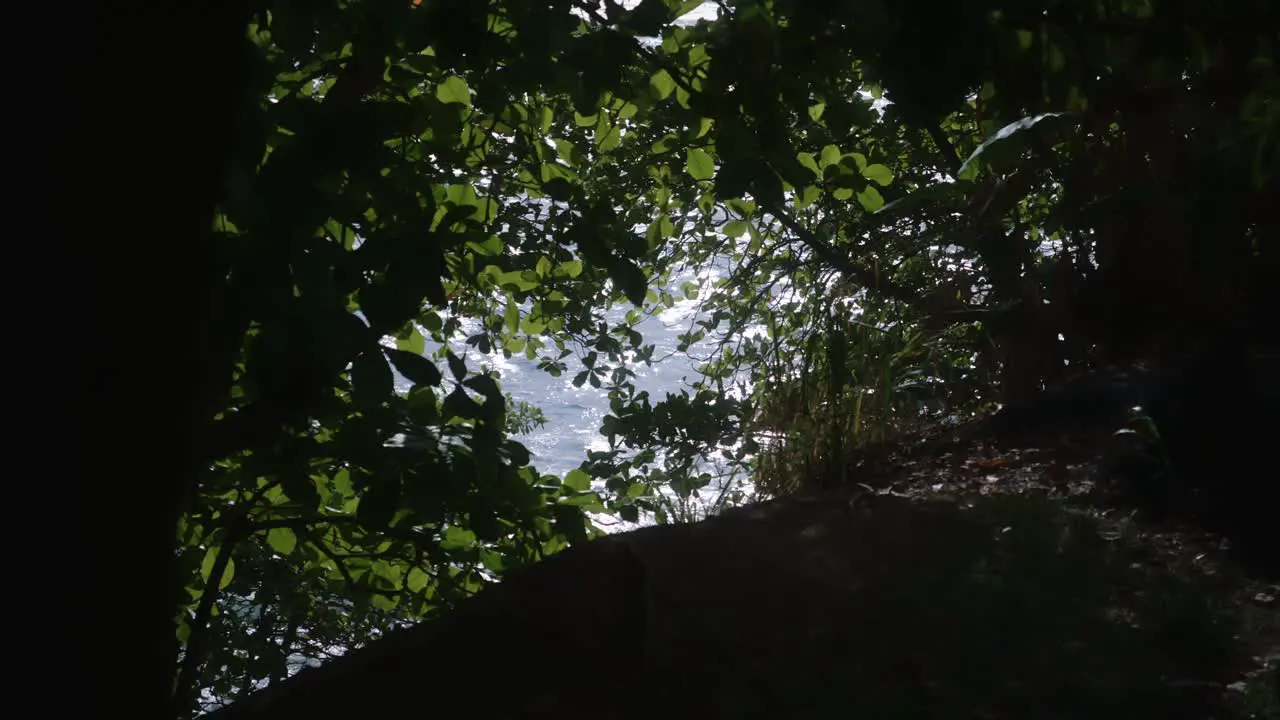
(193, 655)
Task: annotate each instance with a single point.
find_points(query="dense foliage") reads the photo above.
(918, 210)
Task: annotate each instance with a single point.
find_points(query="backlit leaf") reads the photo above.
(454, 90)
(700, 165)
(870, 199)
(577, 480)
(878, 173)
(661, 84)
(282, 540)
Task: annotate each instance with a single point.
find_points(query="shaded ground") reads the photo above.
(1073, 463)
(951, 583)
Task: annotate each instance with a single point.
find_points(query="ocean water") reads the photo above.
(574, 414)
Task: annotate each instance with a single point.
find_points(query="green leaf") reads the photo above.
(700, 165)
(830, 156)
(661, 84)
(706, 204)
(588, 501)
(454, 90)
(792, 170)
(371, 378)
(300, 488)
(665, 144)
(684, 7)
(735, 228)
(878, 173)
(569, 268)
(282, 540)
(455, 538)
(631, 280)
(577, 480)
(227, 574)
(457, 366)
(415, 342)
(870, 199)
(511, 316)
(566, 150)
(1005, 147)
(486, 386)
(647, 18)
(379, 502)
(492, 245)
(806, 159)
(660, 229)
(808, 196)
(1057, 59)
(416, 368)
(733, 180)
(767, 186)
(383, 569)
(417, 580)
(608, 138)
(206, 567)
(558, 188)
(521, 280)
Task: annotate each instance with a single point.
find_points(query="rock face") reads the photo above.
(499, 651)
(811, 606)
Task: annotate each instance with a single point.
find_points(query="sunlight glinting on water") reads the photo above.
(575, 414)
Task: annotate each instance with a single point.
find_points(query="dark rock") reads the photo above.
(805, 607)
